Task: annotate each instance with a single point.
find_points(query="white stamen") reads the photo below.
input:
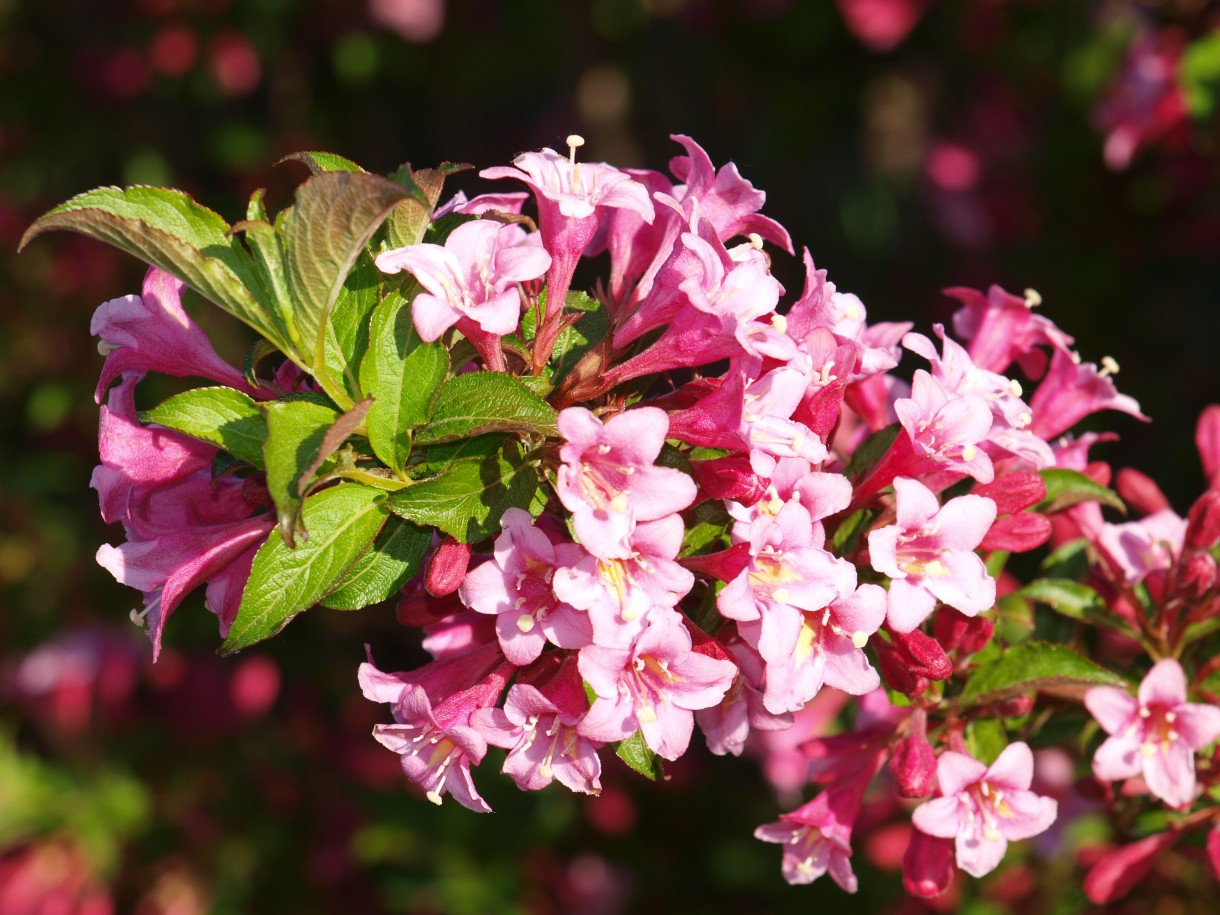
(434, 797)
(105, 348)
(755, 240)
(1172, 736)
(619, 503)
(1108, 366)
(1033, 298)
(1145, 712)
(781, 595)
(859, 639)
(525, 622)
(780, 323)
(1171, 717)
(1014, 388)
(969, 452)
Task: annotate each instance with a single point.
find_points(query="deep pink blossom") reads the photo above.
(984, 808)
(1154, 734)
(816, 839)
(929, 554)
(151, 332)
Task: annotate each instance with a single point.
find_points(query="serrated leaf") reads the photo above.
(403, 375)
(339, 432)
(1036, 667)
(1065, 488)
(224, 417)
(394, 560)
(1077, 601)
(168, 229)
(481, 402)
(295, 431)
(321, 162)
(343, 521)
(635, 752)
(438, 457)
(325, 231)
(467, 499)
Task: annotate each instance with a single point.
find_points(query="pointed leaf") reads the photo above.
(168, 229)
(321, 162)
(295, 430)
(403, 375)
(343, 428)
(227, 418)
(1036, 666)
(467, 499)
(1065, 488)
(394, 560)
(480, 402)
(347, 337)
(410, 219)
(635, 752)
(1077, 601)
(872, 450)
(343, 522)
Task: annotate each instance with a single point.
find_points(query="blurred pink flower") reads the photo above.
(418, 21)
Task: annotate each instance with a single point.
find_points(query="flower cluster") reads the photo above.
(682, 500)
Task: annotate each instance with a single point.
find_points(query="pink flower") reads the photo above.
(516, 586)
(1154, 734)
(608, 480)
(151, 332)
(471, 281)
(983, 809)
(929, 554)
(653, 686)
(816, 840)
(1147, 545)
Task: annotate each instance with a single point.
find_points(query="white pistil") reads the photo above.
(780, 595)
(1171, 717)
(779, 323)
(105, 348)
(646, 715)
(1109, 366)
(619, 503)
(755, 240)
(525, 622)
(1033, 298)
(1014, 388)
(434, 797)
(1145, 712)
(969, 452)
(574, 141)
(859, 639)
(603, 449)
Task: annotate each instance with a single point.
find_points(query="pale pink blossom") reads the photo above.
(984, 808)
(1154, 734)
(817, 840)
(929, 554)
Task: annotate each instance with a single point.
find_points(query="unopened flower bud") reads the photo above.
(955, 630)
(1198, 575)
(896, 672)
(927, 866)
(922, 654)
(1203, 522)
(729, 477)
(447, 568)
(1140, 492)
(1018, 533)
(1013, 492)
(913, 766)
(1015, 707)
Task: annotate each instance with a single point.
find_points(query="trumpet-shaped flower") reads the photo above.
(1154, 734)
(984, 808)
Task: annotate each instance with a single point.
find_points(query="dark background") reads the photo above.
(966, 154)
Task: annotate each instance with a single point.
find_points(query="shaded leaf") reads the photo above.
(394, 560)
(872, 450)
(635, 752)
(1077, 601)
(295, 431)
(343, 522)
(1065, 488)
(1036, 666)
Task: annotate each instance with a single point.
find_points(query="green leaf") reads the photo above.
(168, 229)
(589, 330)
(706, 526)
(295, 431)
(846, 536)
(394, 560)
(403, 375)
(411, 218)
(347, 336)
(321, 162)
(1077, 601)
(438, 457)
(634, 751)
(872, 450)
(1199, 75)
(1036, 666)
(1065, 488)
(467, 499)
(986, 739)
(480, 402)
(342, 521)
(325, 231)
(222, 416)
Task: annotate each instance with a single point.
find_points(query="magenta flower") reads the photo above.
(1072, 390)
(929, 554)
(1154, 734)
(946, 428)
(1150, 544)
(516, 586)
(471, 281)
(608, 480)
(816, 841)
(983, 809)
(151, 332)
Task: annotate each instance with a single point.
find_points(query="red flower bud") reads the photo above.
(955, 630)
(1017, 533)
(1013, 492)
(922, 654)
(1015, 707)
(927, 867)
(447, 568)
(1114, 876)
(1197, 575)
(1203, 522)
(1140, 492)
(913, 766)
(896, 672)
(729, 477)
